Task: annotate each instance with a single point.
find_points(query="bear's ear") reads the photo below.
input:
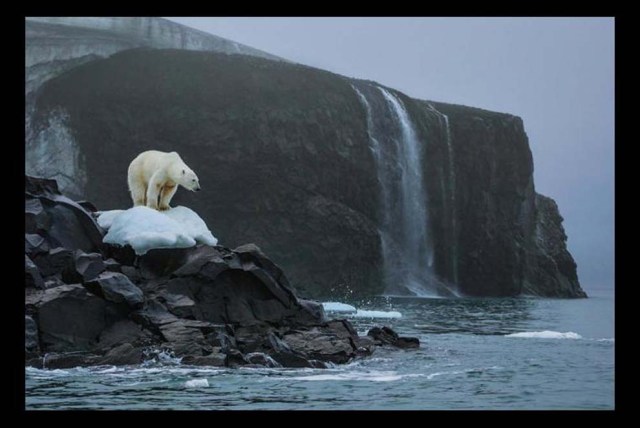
(183, 172)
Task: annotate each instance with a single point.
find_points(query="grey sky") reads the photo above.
(556, 73)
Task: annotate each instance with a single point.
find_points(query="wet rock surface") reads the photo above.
(94, 304)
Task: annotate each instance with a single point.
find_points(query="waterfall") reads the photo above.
(385, 195)
(453, 212)
(406, 245)
(412, 215)
(452, 198)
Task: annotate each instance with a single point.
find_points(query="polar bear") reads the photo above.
(154, 173)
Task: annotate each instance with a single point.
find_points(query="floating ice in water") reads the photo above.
(376, 314)
(196, 383)
(547, 334)
(145, 228)
(338, 307)
(352, 311)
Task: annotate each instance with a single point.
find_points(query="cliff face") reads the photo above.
(503, 238)
(551, 270)
(294, 157)
(281, 152)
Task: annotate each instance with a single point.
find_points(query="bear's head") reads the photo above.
(189, 180)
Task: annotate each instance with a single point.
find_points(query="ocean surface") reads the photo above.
(520, 353)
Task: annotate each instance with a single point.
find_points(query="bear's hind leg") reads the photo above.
(166, 193)
(138, 193)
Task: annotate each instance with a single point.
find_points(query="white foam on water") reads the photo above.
(374, 376)
(368, 361)
(127, 371)
(47, 372)
(108, 370)
(546, 334)
(151, 382)
(196, 383)
(375, 314)
(338, 307)
(431, 376)
(436, 374)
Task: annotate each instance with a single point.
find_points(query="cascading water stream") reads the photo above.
(406, 245)
(412, 215)
(444, 120)
(452, 196)
(453, 214)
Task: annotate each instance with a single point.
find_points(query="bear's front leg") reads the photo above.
(153, 191)
(166, 194)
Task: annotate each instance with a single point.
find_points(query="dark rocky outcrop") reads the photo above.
(125, 354)
(31, 341)
(117, 288)
(551, 269)
(70, 318)
(32, 277)
(83, 268)
(214, 359)
(386, 336)
(286, 148)
(207, 305)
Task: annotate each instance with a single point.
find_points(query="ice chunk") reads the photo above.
(546, 335)
(376, 314)
(192, 224)
(106, 218)
(338, 307)
(144, 228)
(196, 383)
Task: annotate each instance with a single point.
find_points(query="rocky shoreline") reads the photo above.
(89, 303)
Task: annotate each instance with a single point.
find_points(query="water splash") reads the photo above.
(154, 356)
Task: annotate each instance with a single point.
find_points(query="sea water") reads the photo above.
(522, 353)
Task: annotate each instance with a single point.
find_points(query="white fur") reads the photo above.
(153, 173)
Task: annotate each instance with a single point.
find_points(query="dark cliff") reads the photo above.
(284, 160)
(280, 149)
(508, 239)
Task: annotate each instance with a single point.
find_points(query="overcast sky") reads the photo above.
(556, 73)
